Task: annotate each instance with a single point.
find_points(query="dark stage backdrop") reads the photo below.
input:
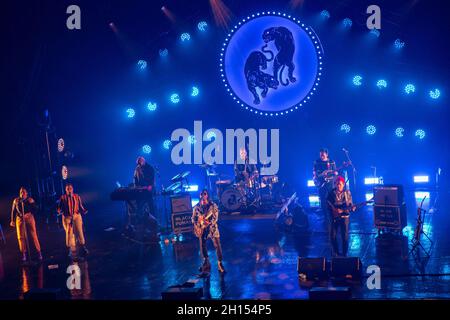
(88, 78)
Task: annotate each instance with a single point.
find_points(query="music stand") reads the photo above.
(418, 232)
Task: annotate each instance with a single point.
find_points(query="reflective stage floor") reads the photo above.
(261, 262)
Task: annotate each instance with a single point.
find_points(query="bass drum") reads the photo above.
(231, 199)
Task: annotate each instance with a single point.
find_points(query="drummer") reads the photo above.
(245, 172)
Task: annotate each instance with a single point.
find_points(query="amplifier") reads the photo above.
(181, 203)
(312, 267)
(388, 195)
(344, 267)
(390, 217)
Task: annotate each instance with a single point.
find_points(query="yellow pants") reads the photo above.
(30, 224)
(74, 230)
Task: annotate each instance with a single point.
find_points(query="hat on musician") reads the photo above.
(340, 179)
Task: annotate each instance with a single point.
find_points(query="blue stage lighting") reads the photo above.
(146, 149)
(410, 88)
(191, 188)
(398, 44)
(314, 201)
(185, 37)
(421, 179)
(202, 26)
(61, 145)
(64, 172)
(419, 195)
(167, 144)
(325, 14)
(345, 128)
(435, 94)
(368, 196)
(131, 113)
(371, 129)
(142, 64)
(375, 32)
(151, 106)
(420, 133)
(192, 139)
(399, 132)
(310, 183)
(195, 91)
(381, 84)
(347, 22)
(357, 80)
(369, 181)
(163, 52)
(174, 98)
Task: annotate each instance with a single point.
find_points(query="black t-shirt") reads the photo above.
(320, 166)
(144, 176)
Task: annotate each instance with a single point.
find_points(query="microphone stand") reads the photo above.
(353, 167)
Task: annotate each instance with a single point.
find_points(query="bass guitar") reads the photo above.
(344, 212)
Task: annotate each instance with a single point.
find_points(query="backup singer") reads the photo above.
(324, 172)
(340, 205)
(22, 218)
(205, 216)
(71, 207)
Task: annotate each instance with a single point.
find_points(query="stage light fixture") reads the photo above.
(368, 196)
(345, 128)
(357, 80)
(325, 14)
(370, 181)
(399, 132)
(175, 98)
(371, 130)
(167, 144)
(142, 64)
(146, 149)
(435, 94)
(421, 179)
(419, 195)
(420, 133)
(314, 201)
(191, 188)
(64, 172)
(131, 113)
(61, 145)
(184, 37)
(381, 84)
(151, 106)
(347, 22)
(202, 26)
(410, 88)
(163, 52)
(192, 139)
(398, 44)
(195, 91)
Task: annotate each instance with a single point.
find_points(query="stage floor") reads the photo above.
(261, 262)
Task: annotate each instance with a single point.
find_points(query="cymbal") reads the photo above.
(173, 186)
(185, 174)
(180, 176)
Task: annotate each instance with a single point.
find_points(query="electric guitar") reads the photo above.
(345, 211)
(328, 175)
(202, 223)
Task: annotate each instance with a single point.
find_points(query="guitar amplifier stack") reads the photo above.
(389, 207)
(181, 212)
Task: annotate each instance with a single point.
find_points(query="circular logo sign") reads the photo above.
(271, 63)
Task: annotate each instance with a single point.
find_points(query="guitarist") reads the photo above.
(204, 217)
(324, 171)
(340, 205)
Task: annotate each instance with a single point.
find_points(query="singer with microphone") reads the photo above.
(22, 218)
(324, 173)
(71, 207)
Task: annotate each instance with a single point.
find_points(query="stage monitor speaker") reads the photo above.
(331, 293)
(182, 293)
(312, 267)
(388, 195)
(346, 267)
(42, 294)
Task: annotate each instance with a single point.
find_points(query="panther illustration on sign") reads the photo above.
(256, 78)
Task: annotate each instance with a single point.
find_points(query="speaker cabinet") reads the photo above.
(312, 267)
(346, 267)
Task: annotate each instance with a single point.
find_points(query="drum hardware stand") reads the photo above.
(352, 165)
(416, 241)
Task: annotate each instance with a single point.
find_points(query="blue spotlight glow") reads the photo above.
(163, 52)
(371, 129)
(192, 139)
(370, 181)
(142, 64)
(191, 188)
(410, 88)
(175, 98)
(347, 22)
(421, 179)
(375, 32)
(357, 80)
(185, 37)
(381, 84)
(130, 113)
(202, 26)
(419, 195)
(195, 91)
(420, 133)
(345, 128)
(369, 196)
(399, 132)
(146, 149)
(398, 44)
(151, 106)
(314, 201)
(325, 14)
(167, 144)
(435, 94)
